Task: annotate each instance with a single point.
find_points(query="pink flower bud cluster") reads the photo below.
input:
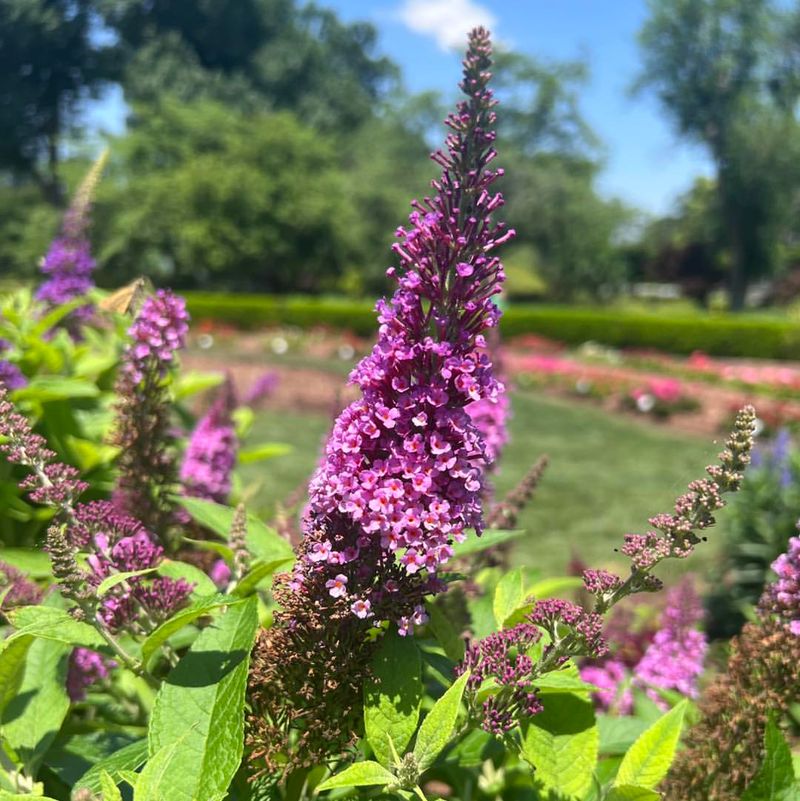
(50, 482)
(403, 470)
(561, 618)
(503, 658)
(119, 544)
(674, 535)
(782, 597)
(210, 456)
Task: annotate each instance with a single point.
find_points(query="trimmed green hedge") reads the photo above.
(719, 335)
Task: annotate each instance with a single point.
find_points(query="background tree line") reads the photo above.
(269, 147)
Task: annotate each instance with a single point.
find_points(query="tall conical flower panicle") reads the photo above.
(147, 466)
(402, 475)
(403, 469)
(68, 264)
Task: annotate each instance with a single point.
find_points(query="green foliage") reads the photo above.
(32, 718)
(648, 759)
(362, 774)
(439, 724)
(197, 723)
(561, 744)
(718, 335)
(392, 697)
(263, 542)
(221, 178)
(775, 780)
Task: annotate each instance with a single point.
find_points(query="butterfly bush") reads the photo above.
(210, 456)
(68, 264)
(724, 749)
(143, 431)
(574, 632)
(403, 470)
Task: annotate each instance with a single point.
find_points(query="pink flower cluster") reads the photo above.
(674, 660)
(403, 469)
(503, 657)
(119, 544)
(783, 596)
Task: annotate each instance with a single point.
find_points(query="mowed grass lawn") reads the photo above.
(607, 475)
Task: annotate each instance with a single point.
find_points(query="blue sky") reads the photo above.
(646, 164)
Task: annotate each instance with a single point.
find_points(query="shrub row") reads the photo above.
(719, 335)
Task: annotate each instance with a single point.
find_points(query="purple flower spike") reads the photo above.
(211, 453)
(68, 265)
(403, 472)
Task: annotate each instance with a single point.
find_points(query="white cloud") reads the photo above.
(447, 21)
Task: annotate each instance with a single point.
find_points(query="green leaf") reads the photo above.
(259, 453)
(109, 788)
(131, 757)
(561, 681)
(12, 669)
(4, 796)
(203, 585)
(630, 792)
(647, 761)
(362, 774)
(200, 707)
(775, 778)
(86, 455)
(44, 388)
(200, 608)
(262, 541)
(508, 596)
(618, 734)
(35, 564)
(561, 743)
(392, 696)
(157, 780)
(439, 724)
(444, 631)
(192, 381)
(34, 716)
(489, 539)
(109, 582)
(552, 587)
(257, 573)
(48, 623)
